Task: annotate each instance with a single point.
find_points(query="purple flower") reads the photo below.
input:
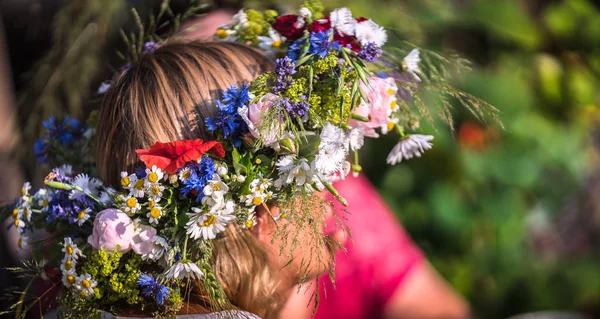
(150, 47)
(284, 68)
(370, 52)
(295, 109)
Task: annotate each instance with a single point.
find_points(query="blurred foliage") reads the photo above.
(489, 205)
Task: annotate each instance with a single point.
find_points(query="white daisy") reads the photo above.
(22, 242)
(215, 188)
(155, 191)
(184, 174)
(251, 221)
(68, 264)
(128, 180)
(43, 197)
(154, 214)
(224, 34)
(25, 211)
(25, 190)
(184, 269)
(411, 63)
(83, 216)
(85, 185)
(85, 285)
(159, 248)
(272, 43)
(154, 175)
(409, 147)
(69, 278)
(342, 20)
(214, 204)
(19, 224)
(70, 249)
(207, 225)
(369, 31)
(356, 138)
(131, 205)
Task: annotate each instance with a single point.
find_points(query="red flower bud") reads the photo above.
(347, 41)
(287, 27)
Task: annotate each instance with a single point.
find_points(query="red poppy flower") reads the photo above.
(287, 27)
(320, 25)
(172, 156)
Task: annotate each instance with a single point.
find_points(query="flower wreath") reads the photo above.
(282, 137)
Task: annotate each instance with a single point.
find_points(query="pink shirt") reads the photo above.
(380, 255)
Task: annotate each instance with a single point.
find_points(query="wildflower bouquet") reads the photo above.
(278, 139)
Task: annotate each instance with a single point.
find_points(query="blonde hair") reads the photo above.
(166, 96)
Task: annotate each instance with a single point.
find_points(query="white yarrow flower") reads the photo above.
(184, 269)
(411, 63)
(342, 20)
(409, 147)
(369, 31)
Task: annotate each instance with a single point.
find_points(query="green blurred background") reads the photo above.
(509, 216)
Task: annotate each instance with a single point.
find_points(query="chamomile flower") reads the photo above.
(154, 214)
(25, 190)
(272, 43)
(131, 205)
(19, 224)
(409, 147)
(215, 188)
(251, 221)
(184, 173)
(411, 63)
(69, 278)
(389, 126)
(138, 188)
(254, 199)
(70, 249)
(369, 31)
(43, 198)
(207, 225)
(155, 191)
(85, 285)
(184, 269)
(154, 175)
(128, 180)
(224, 34)
(22, 242)
(160, 246)
(68, 264)
(85, 185)
(25, 211)
(342, 20)
(83, 216)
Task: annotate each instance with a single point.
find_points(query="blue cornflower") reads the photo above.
(370, 52)
(236, 98)
(200, 174)
(151, 286)
(295, 49)
(284, 68)
(140, 172)
(320, 45)
(40, 150)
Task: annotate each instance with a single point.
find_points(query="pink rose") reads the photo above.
(142, 240)
(253, 116)
(381, 94)
(112, 228)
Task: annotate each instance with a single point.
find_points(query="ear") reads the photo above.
(265, 225)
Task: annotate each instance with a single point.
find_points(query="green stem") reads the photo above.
(359, 117)
(400, 131)
(335, 193)
(185, 241)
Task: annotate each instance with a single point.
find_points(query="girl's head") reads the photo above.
(166, 96)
